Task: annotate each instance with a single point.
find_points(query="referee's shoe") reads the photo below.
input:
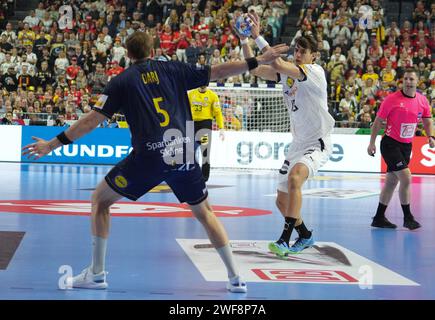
(410, 223)
(382, 222)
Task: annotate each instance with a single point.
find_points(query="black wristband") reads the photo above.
(252, 63)
(63, 138)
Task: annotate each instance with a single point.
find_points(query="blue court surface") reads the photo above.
(157, 251)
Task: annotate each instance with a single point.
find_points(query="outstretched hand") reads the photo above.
(272, 53)
(36, 150)
(254, 21)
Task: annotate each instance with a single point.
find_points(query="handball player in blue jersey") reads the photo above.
(153, 97)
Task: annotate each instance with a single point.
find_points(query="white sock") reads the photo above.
(227, 257)
(99, 246)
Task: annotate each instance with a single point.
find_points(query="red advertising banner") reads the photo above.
(422, 157)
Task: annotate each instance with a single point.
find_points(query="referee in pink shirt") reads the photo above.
(402, 111)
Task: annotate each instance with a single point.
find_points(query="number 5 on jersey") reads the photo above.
(164, 113)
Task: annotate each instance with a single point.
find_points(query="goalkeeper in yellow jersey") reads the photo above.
(205, 107)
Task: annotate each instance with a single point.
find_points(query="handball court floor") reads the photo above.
(157, 251)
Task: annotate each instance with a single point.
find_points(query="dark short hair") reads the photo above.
(139, 45)
(412, 70)
(307, 42)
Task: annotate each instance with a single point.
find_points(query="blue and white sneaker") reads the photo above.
(301, 244)
(237, 285)
(281, 249)
(88, 280)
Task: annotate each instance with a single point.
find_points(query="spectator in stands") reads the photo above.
(420, 13)
(93, 59)
(7, 119)
(340, 33)
(98, 79)
(192, 52)
(72, 70)
(32, 20)
(421, 57)
(370, 74)
(423, 71)
(336, 69)
(366, 108)
(5, 46)
(25, 80)
(349, 102)
(358, 52)
(81, 80)
(60, 64)
(10, 34)
(361, 34)
(374, 52)
(323, 54)
(383, 91)
(9, 80)
(369, 89)
(344, 114)
(27, 36)
(160, 55)
(57, 46)
(114, 69)
(388, 74)
(60, 121)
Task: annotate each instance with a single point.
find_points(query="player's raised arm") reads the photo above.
(279, 65)
(264, 71)
(228, 69)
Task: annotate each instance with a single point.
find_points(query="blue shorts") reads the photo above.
(139, 173)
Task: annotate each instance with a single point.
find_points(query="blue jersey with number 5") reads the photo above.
(153, 97)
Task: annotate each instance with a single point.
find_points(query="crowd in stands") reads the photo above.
(365, 58)
(58, 59)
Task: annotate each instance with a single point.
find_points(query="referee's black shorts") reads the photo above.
(396, 154)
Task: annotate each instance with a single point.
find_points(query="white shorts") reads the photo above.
(313, 155)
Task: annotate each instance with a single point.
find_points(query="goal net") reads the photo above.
(248, 108)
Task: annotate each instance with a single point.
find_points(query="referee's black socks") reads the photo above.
(380, 213)
(406, 211)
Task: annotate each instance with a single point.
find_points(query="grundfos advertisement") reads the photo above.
(250, 150)
(101, 146)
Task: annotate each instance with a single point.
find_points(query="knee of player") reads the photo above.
(295, 181)
(100, 203)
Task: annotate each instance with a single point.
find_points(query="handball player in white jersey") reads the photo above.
(305, 94)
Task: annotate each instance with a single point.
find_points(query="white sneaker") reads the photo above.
(88, 280)
(237, 285)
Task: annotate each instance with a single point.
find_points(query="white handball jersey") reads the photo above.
(307, 103)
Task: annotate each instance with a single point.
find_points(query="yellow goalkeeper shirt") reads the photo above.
(206, 106)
